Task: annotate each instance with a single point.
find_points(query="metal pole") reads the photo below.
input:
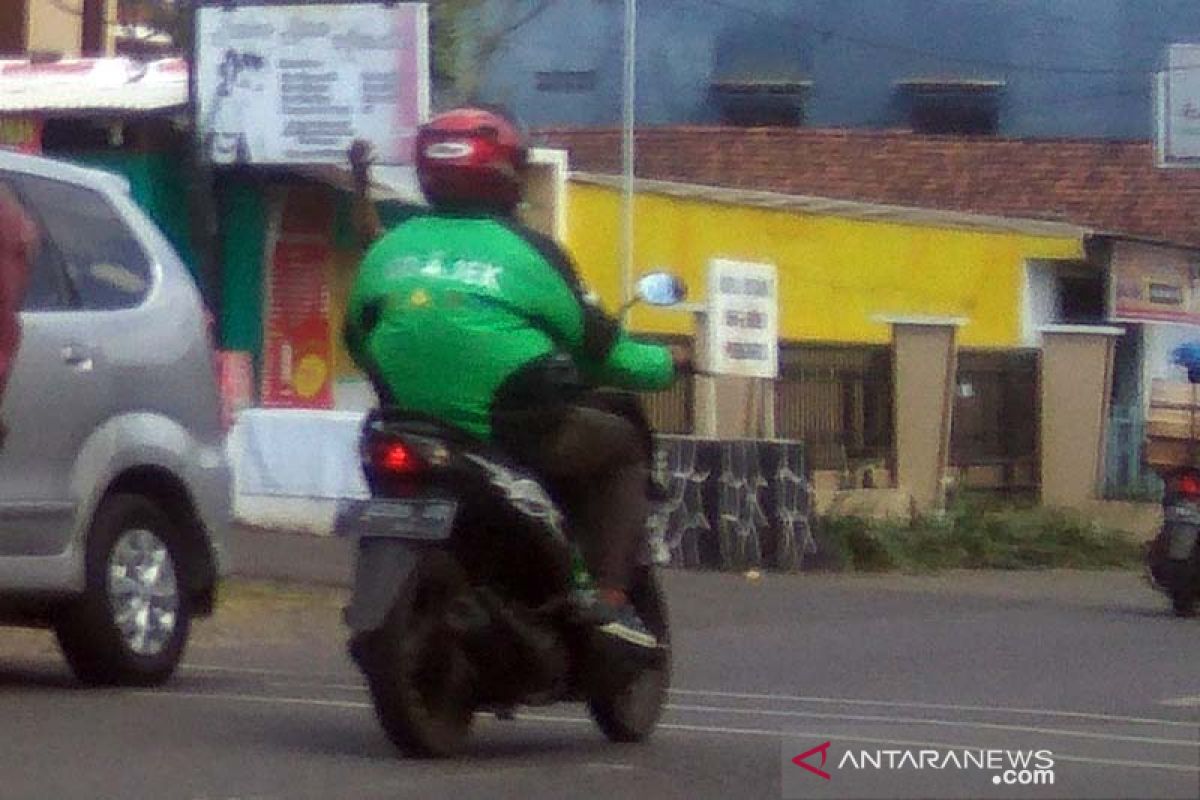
(627, 149)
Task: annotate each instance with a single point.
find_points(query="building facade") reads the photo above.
(1007, 235)
(1077, 68)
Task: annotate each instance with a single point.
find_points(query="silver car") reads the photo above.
(114, 487)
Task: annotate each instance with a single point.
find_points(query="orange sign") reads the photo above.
(298, 351)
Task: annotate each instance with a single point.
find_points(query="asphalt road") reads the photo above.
(1086, 666)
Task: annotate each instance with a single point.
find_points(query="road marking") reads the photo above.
(938, 722)
(1111, 762)
(1191, 701)
(246, 670)
(253, 698)
(671, 726)
(791, 698)
(1041, 712)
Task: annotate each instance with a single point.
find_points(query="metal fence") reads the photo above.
(671, 410)
(994, 439)
(838, 401)
(1125, 476)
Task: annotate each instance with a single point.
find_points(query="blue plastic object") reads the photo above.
(1188, 356)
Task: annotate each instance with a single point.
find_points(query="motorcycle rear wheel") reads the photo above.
(418, 674)
(630, 713)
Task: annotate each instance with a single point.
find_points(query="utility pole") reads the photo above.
(627, 150)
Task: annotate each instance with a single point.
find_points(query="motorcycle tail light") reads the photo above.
(394, 457)
(1187, 484)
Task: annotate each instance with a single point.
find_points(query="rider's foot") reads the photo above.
(616, 617)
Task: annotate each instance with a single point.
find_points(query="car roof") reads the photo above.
(55, 169)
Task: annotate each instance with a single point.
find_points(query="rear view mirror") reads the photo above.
(661, 289)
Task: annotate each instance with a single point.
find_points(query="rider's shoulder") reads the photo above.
(545, 246)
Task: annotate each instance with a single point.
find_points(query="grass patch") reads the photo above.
(238, 594)
(973, 537)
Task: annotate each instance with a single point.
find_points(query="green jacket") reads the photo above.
(449, 310)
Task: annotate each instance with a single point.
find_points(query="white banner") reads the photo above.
(1179, 107)
(743, 319)
(295, 84)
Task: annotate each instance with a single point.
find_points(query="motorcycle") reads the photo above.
(1173, 557)
(468, 595)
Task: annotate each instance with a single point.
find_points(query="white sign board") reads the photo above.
(1178, 109)
(295, 84)
(743, 319)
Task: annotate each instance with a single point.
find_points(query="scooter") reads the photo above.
(468, 594)
(1173, 557)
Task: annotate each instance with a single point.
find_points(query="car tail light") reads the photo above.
(393, 457)
(1187, 484)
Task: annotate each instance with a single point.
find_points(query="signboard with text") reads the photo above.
(1154, 283)
(743, 319)
(295, 84)
(1178, 107)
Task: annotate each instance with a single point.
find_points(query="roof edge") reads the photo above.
(549, 132)
(855, 209)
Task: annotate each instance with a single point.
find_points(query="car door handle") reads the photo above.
(78, 357)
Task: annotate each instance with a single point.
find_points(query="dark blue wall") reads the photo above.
(1070, 67)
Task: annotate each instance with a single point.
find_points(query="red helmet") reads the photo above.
(471, 158)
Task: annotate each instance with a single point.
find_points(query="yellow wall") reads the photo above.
(836, 275)
(56, 25)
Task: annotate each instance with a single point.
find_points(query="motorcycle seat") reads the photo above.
(401, 422)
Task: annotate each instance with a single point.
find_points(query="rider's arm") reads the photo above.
(554, 296)
(364, 216)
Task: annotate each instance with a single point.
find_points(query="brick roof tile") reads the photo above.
(1111, 186)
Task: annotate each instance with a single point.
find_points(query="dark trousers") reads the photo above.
(597, 466)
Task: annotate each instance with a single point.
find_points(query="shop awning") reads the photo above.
(91, 85)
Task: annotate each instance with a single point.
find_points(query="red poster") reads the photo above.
(298, 347)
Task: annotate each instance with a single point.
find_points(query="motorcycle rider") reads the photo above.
(464, 314)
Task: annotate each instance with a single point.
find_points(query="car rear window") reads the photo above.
(105, 265)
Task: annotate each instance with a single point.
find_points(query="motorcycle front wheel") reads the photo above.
(629, 712)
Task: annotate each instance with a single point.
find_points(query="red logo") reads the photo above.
(823, 749)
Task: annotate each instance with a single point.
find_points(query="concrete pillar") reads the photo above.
(730, 407)
(1077, 376)
(924, 363)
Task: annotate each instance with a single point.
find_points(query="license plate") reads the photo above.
(426, 519)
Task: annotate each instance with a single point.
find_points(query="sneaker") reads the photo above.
(623, 623)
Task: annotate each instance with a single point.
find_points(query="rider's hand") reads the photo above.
(681, 357)
(361, 157)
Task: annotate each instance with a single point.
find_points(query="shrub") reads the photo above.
(970, 537)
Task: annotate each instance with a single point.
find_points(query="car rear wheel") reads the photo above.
(131, 624)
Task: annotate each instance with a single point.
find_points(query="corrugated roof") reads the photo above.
(97, 84)
(852, 209)
(1106, 186)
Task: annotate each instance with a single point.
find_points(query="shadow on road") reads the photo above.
(361, 737)
(42, 676)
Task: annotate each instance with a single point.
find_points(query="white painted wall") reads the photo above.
(1041, 300)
